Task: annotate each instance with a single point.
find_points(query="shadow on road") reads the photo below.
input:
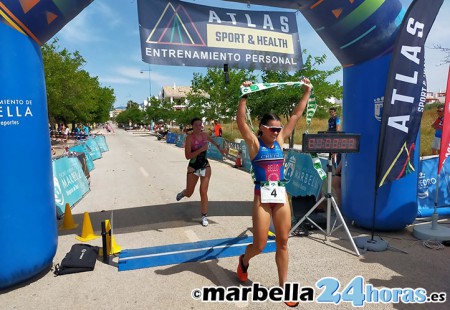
(158, 217)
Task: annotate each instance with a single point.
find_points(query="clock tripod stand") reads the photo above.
(331, 202)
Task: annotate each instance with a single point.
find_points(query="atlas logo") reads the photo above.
(378, 112)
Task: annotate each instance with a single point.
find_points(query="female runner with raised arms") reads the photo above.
(266, 154)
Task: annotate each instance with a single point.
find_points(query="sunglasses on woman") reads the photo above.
(273, 128)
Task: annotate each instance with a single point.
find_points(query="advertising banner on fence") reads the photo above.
(301, 177)
(70, 182)
(101, 142)
(93, 149)
(426, 193)
(233, 149)
(213, 152)
(81, 156)
(246, 162)
(171, 137)
(81, 148)
(177, 33)
(405, 95)
(181, 139)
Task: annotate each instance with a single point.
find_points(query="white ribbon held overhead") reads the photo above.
(310, 108)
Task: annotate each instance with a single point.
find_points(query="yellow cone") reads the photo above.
(68, 222)
(111, 245)
(88, 232)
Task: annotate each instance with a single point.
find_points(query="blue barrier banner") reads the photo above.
(81, 148)
(213, 152)
(301, 177)
(245, 157)
(426, 194)
(81, 156)
(181, 139)
(171, 137)
(233, 149)
(69, 181)
(101, 142)
(93, 149)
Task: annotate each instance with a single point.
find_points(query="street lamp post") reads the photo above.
(149, 70)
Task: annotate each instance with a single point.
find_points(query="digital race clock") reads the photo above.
(331, 142)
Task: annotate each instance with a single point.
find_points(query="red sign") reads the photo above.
(445, 139)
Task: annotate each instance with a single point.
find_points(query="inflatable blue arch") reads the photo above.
(360, 33)
(28, 232)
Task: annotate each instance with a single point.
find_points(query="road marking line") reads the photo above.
(192, 237)
(145, 173)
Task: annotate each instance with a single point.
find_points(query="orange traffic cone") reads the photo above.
(88, 232)
(68, 222)
(238, 162)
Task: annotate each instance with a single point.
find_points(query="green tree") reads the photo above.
(281, 101)
(72, 94)
(159, 110)
(132, 115)
(186, 116)
(215, 96)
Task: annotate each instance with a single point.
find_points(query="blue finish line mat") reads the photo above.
(187, 252)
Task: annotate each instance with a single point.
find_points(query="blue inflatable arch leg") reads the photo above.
(28, 226)
(361, 34)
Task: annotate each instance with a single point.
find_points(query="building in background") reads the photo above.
(177, 95)
(435, 97)
(116, 111)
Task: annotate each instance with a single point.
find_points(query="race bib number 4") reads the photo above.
(273, 192)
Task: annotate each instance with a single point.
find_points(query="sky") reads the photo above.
(106, 34)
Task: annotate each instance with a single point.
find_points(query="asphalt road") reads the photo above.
(135, 184)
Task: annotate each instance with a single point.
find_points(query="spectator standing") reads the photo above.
(334, 125)
(77, 132)
(334, 122)
(217, 129)
(66, 133)
(438, 126)
(86, 130)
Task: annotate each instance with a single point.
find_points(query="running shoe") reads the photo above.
(181, 194)
(242, 273)
(291, 304)
(204, 220)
